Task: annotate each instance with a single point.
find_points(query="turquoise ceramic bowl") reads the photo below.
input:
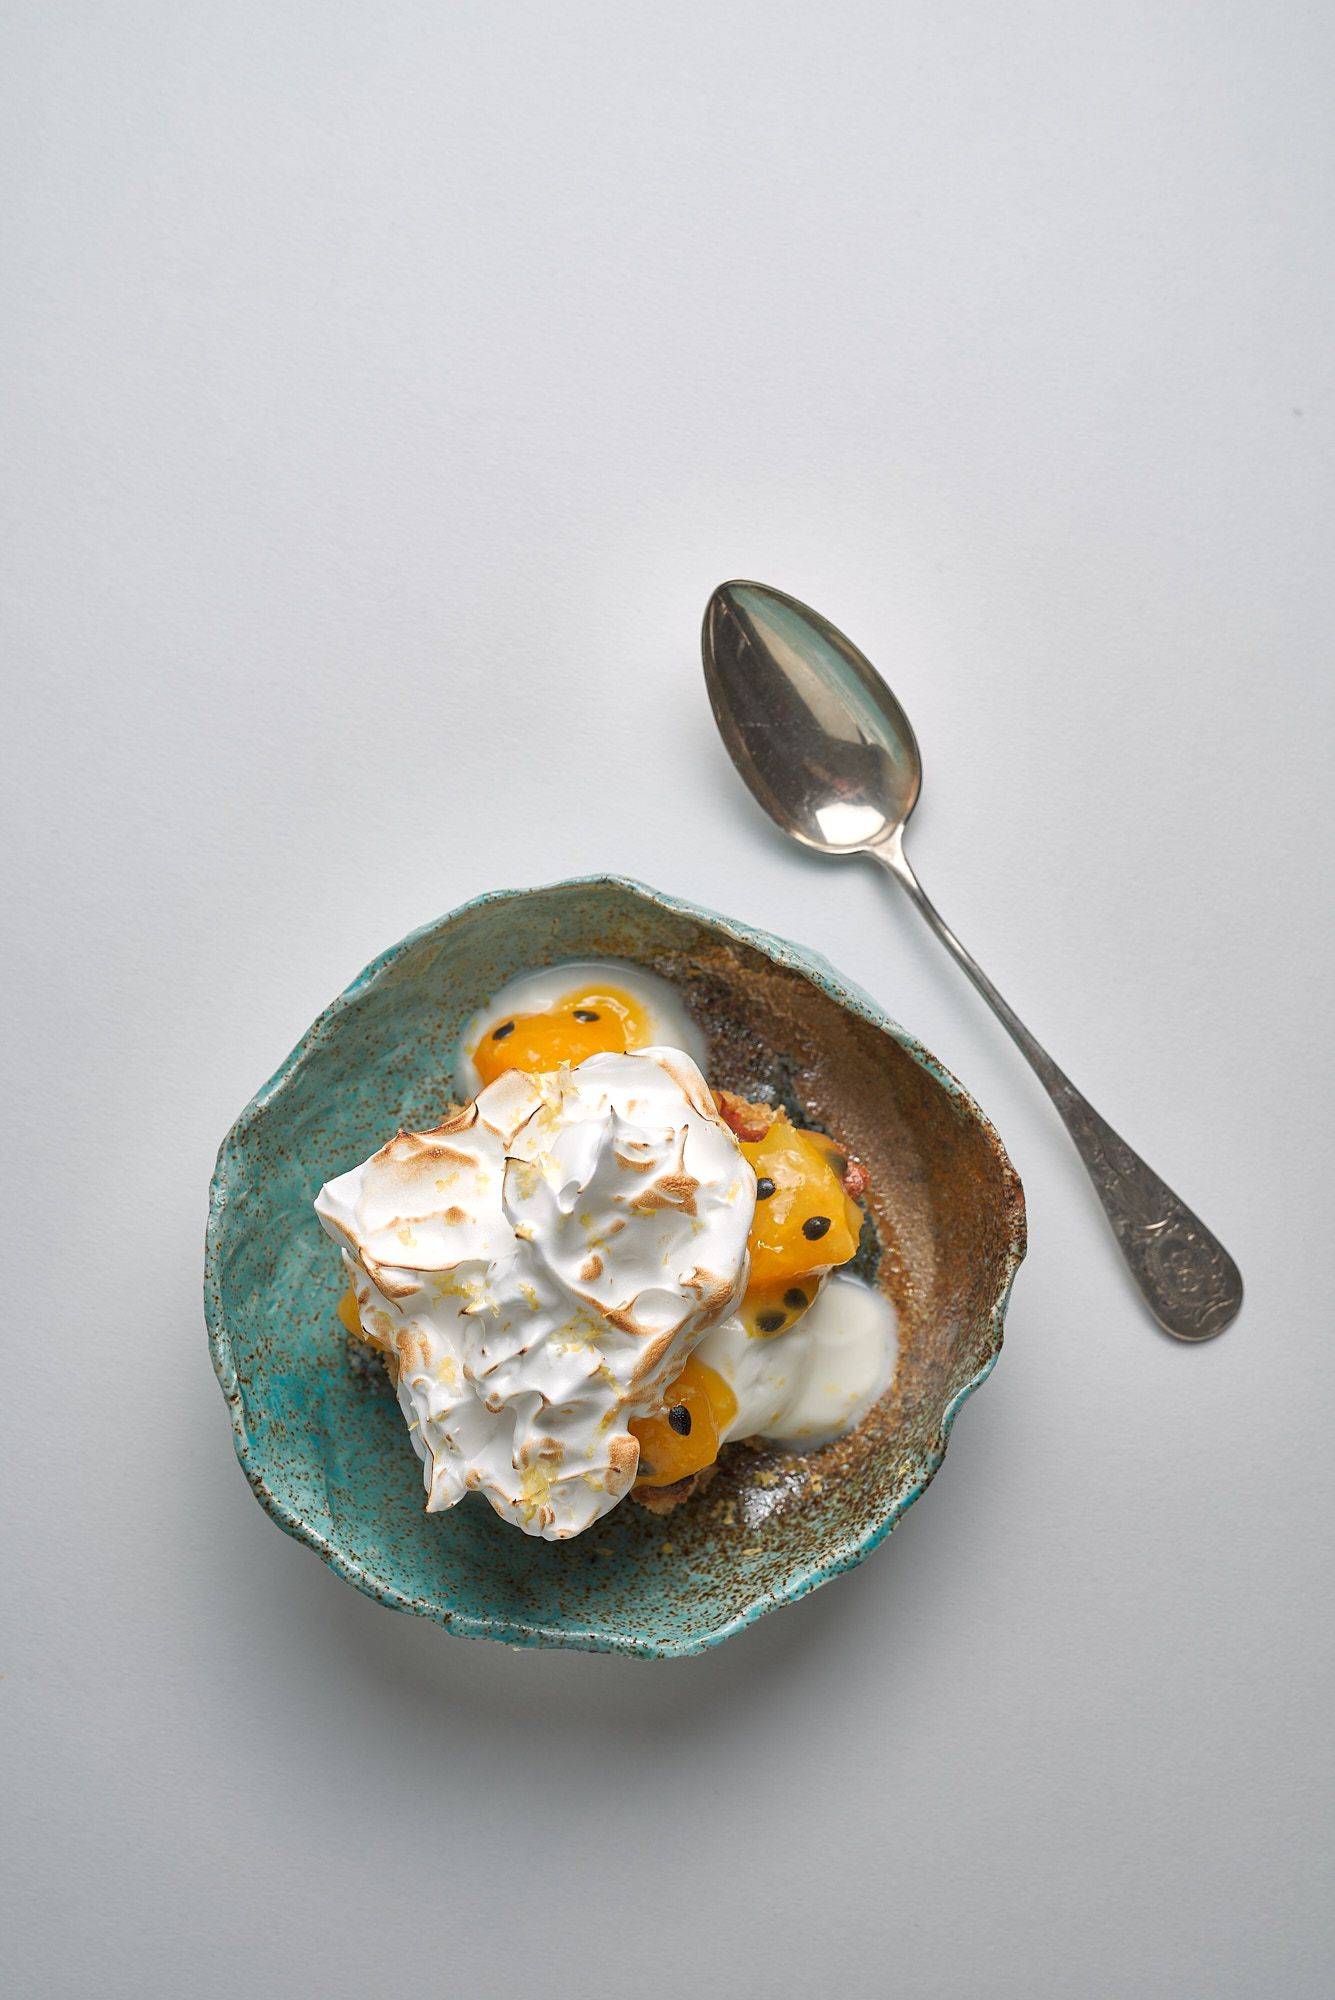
(316, 1426)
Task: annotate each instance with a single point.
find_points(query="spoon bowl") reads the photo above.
(817, 735)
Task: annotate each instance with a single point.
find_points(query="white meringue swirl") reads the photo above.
(539, 1268)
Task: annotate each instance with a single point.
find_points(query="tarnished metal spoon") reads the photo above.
(831, 756)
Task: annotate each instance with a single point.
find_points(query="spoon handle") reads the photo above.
(1185, 1275)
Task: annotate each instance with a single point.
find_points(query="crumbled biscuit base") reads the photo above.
(746, 1120)
(663, 1499)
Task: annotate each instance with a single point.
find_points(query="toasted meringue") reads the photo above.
(537, 1270)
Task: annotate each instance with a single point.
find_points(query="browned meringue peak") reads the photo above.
(541, 1269)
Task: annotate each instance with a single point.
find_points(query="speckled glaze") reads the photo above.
(317, 1429)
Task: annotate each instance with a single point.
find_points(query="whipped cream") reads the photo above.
(539, 1267)
(817, 1380)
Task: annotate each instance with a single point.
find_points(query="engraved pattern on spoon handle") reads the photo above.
(1183, 1272)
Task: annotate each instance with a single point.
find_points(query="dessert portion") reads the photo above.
(808, 1352)
(566, 1012)
(803, 1389)
(596, 1274)
(537, 1271)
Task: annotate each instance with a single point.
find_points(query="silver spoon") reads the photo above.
(831, 756)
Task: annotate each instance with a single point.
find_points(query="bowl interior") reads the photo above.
(318, 1429)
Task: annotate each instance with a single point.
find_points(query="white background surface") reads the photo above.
(389, 387)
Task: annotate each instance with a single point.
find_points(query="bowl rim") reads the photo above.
(817, 970)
